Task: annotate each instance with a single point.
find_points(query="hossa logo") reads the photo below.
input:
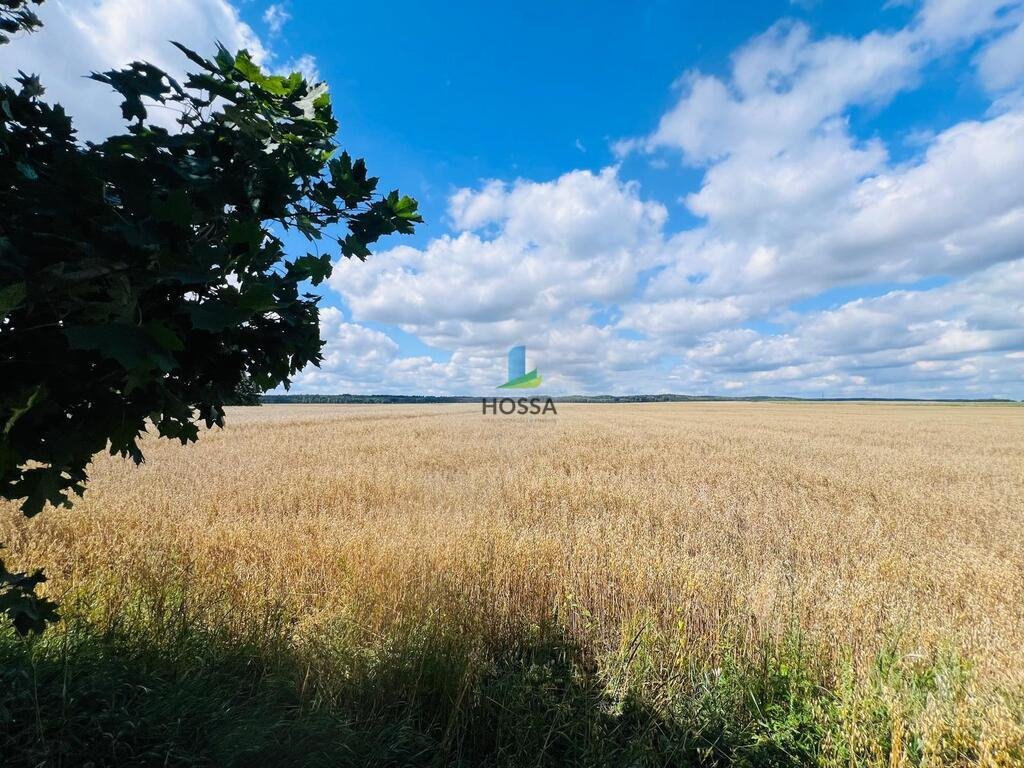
(518, 378)
(519, 405)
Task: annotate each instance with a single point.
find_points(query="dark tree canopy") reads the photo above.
(144, 279)
(247, 393)
(17, 16)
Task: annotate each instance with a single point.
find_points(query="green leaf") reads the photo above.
(175, 208)
(164, 336)
(247, 231)
(11, 297)
(248, 68)
(37, 394)
(257, 298)
(189, 275)
(129, 345)
(117, 341)
(316, 269)
(27, 611)
(406, 208)
(133, 82)
(224, 59)
(31, 88)
(353, 246)
(214, 85)
(214, 316)
(194, 57)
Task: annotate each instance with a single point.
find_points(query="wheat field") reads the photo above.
(884, 541)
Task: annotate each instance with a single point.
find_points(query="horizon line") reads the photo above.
(663, 396)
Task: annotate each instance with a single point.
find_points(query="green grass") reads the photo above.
(160, 687)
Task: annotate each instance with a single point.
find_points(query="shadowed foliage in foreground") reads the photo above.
(82, 697)
(167, 692)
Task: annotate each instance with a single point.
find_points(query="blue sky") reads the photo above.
(737, 198)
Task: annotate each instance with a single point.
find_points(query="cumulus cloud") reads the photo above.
(795, 204)
(528, 253)
(945, 21)
(784, 87)
(960, 339)
(359, 359)
(83, 36)
(958, 209)
(1001, 62)
(792, 205)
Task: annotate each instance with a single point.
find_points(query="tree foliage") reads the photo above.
(144, 279)
(247, 393)
(17, 16)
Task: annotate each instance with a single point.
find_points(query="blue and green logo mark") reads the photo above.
(518, 378)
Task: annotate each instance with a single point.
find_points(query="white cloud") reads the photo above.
(784, 87)
(792, 204)
(532, 262)
(946, 21)
(959, 209)
(352, 338)
(359, 359)
(83, 36)
(305, 64)
(275, 17)
(685, 319)
(1001, 63)
(959, 338)
(797, 184)
(527, 255)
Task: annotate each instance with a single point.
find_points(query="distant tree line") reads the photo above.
(663, 398)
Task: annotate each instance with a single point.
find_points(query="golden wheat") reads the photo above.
(868, 526)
